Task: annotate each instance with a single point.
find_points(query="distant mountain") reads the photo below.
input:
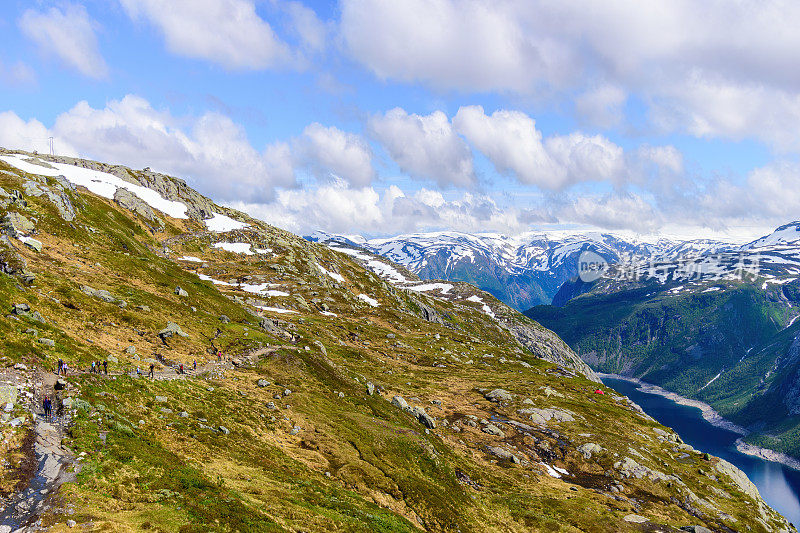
(718, 325)
(521, 271)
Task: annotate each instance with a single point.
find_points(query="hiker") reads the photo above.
(180, 371)
(152, 367)
(219, 356)
(60, 366)
(105, 367)
(65, 368)
(138, 371)
(48, 407)
(92, 369)
(195, 364)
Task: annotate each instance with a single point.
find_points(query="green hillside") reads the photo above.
(337, 402)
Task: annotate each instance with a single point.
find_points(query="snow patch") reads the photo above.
(334, 275)
(221, 223)
(371, 301)
(235, 247)
(274, 309)
(191, 259)
(443, 287)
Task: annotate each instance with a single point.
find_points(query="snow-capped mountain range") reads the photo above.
(528, 269)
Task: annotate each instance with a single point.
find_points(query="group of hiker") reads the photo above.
(63, 367)
(95, 369)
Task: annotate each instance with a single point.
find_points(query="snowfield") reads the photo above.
(100, 183)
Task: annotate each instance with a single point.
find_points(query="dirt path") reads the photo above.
(24, 509)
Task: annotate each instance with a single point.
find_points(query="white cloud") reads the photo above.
(329, 150)
(213, 153)
(227, 32)
(714, 69)
(426, 147)
(312, 32)
(30, 135)
(612, 211)
(68, 34)
(339, 208)
(601, 106)
(513, 144)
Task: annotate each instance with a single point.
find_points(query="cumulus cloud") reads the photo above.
(30, 135)
(715, 69)
(227, 32)
(612, 211)
(513, 144)
(69, 35)
(426, 146)
(330, 152)
(212, 153)
(340, 208)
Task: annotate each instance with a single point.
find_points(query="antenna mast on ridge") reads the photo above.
(51, 146)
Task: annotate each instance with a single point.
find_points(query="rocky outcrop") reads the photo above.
(126, 199)
(546, 345)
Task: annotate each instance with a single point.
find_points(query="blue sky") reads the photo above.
(380, 117)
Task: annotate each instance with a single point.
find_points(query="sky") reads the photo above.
(379, 117)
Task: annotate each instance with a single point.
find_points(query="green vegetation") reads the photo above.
(295, 429)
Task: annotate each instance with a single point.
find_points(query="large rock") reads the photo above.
(15, 225)
(502, 453)
(400, 402)
(543, 416)
(498, 395)
(589, 449)
(424, 418)
(491, 429)
(33, 244)
(126, 199)
(181, 292)
(62, 204)
(171, 330)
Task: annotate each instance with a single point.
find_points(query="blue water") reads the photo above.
(779, 485)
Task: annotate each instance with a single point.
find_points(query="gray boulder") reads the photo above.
(502, 453)
(588, 449)
(262, 383)
(180, 292)
(171, 330)
(14, 225)
(224, 319)
(400, 402)
(498, 395)
(127, 200)
(370, 388)
(20, 309)
(47, 342)
(491, 429)
(33, 244)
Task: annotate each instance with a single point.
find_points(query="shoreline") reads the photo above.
(715, 419)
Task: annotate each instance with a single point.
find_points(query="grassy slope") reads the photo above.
(329, 457)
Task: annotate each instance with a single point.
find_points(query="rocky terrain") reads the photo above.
(296, 389)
